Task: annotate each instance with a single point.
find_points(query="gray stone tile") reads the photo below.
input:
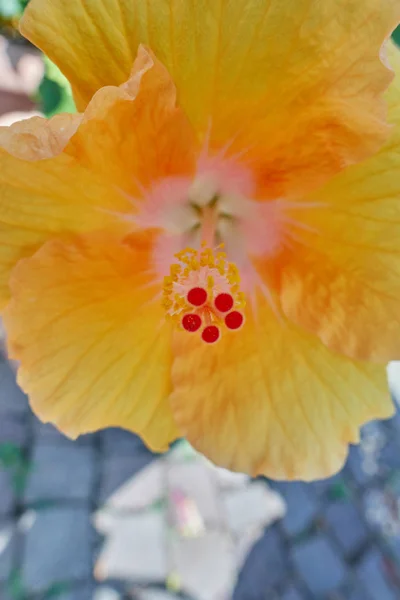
(371, 572)
(393, 542)
(394, 423)
(358, 592)
(390, 454)
(14, 429)
(375, 508)
(80, 592)
(57, 548)
(8, 540)
(356, 467)
(122, 443)
(319, 565)
(152, 594)
(302, 506)
(60, 473)
(7, 492)
(328, 487)
(379, 509)
(48, 434)
(266, 567)
(292, 593)
(12, 400)
(347, 526)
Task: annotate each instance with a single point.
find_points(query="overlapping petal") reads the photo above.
(273, 400)
(135, 134)
(40, 200)
(75, 174)
(38, 138)
(86, 324)
(302, 80)
(341, 277)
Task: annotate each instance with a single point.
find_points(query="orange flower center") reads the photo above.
(202, 293)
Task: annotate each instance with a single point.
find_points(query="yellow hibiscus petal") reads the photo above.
(49, 198)
(341, 278)
(81, 189)
(140, 126)
(60, 28)
(37, 138)
(299, 80)
(272, 400)
(87, 326)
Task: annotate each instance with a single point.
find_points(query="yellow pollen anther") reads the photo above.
(195, 265)
(241, 299)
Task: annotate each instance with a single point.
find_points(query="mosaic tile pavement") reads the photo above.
(102, 506)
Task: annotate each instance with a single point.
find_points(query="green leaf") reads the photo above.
(57, 589)
(54, 94)
(20, 476)
(10, 455)
(339, 491)
(50, 94)
(396, 36)
(13, 459)
(15, 585)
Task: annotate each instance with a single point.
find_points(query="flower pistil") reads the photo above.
(202, 293)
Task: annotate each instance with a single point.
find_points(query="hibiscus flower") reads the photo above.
(210, 248)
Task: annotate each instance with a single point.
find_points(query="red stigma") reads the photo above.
(197, 296)
(191, 322)
(234, 320)
(224, 302)
(211, 334)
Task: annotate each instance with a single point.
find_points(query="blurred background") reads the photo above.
(103, 518)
